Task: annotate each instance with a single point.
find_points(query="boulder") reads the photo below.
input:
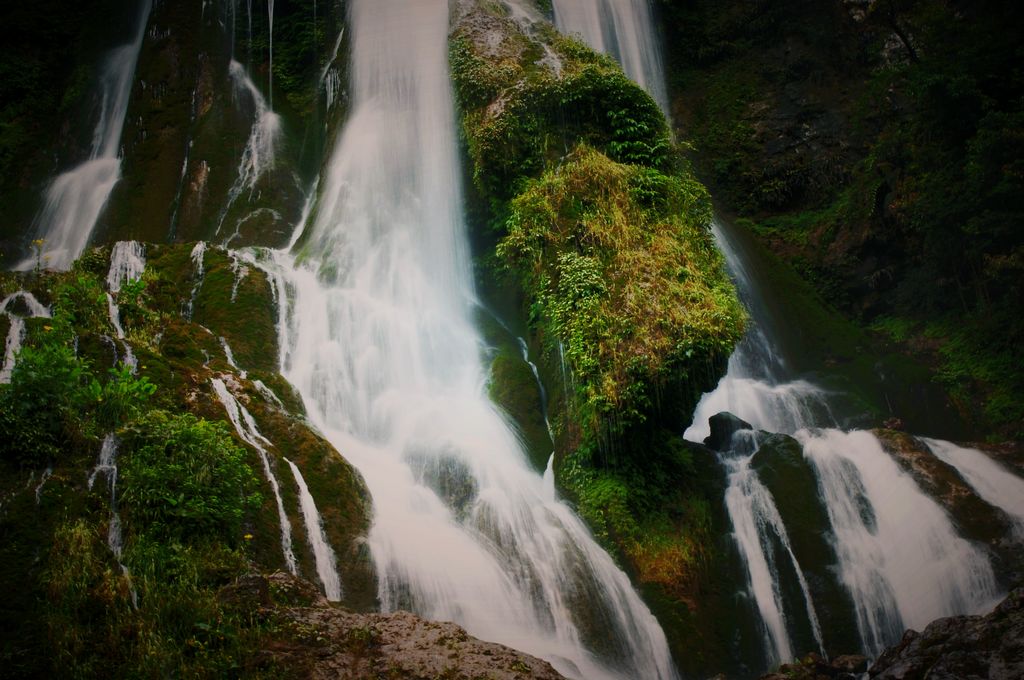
(723, 426)
(990, 646)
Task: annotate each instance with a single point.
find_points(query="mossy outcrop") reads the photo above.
(602, 232)
(179, 539)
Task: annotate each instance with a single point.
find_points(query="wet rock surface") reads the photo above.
(990, 646)
(723, 426)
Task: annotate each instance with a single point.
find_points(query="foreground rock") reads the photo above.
(319, 640)
(813, 667)
(990, 646)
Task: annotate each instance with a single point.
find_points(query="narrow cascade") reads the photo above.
(75, 199)
(127, 263)
(246, 428)
(267, 393)
(230, 357)
(270, 68)
(238, 272)
(326, 563)
(377, 335)
(330, 78)
(107, 466)
(260, 151)
(623, 29)
(899, 554)
(16, 331)
(758, 527)
(198, 262)
(540, 388)
(993, 483)
(43, 478)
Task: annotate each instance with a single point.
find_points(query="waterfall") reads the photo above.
(230, 357)
(540, 388)
(326, 564)
(376, 333)
(75, 199)
(246, 428)
(993, 483)
(899, 554)
(623, 29)
(758, 525)
(16, 331)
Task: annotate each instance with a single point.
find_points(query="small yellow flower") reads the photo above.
(247, 537)
(47, 328)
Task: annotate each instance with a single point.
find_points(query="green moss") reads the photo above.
(621, 271)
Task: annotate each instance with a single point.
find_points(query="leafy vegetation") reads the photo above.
(186, 495)
(616, 261)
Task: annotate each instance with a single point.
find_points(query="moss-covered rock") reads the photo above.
(603, 233)
(73, 597)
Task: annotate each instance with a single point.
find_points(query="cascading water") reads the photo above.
(246, 428)
(127, 263)
(376, 334)
(993, 483)
(622, 29)
(75, 199)
(16, 332)
(899, 554)
(260, 151)
(758, 529)
(270, 66)
(758, 387)
(107, 466)
(199, 273)
(326, 563)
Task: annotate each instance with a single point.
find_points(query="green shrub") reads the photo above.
(185, 479)
(41, 407)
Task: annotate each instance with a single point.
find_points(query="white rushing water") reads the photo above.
(246, 428)
(623, 29)
(127, 263)
(377, 336)
(899, 555)
(75, 199)
(326, 563)
(993, 483)
(757, 525)
(16, 330)
(259, 155)
(199, 273)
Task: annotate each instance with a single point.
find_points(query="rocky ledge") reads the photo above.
(318, 640)
(990, 647)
